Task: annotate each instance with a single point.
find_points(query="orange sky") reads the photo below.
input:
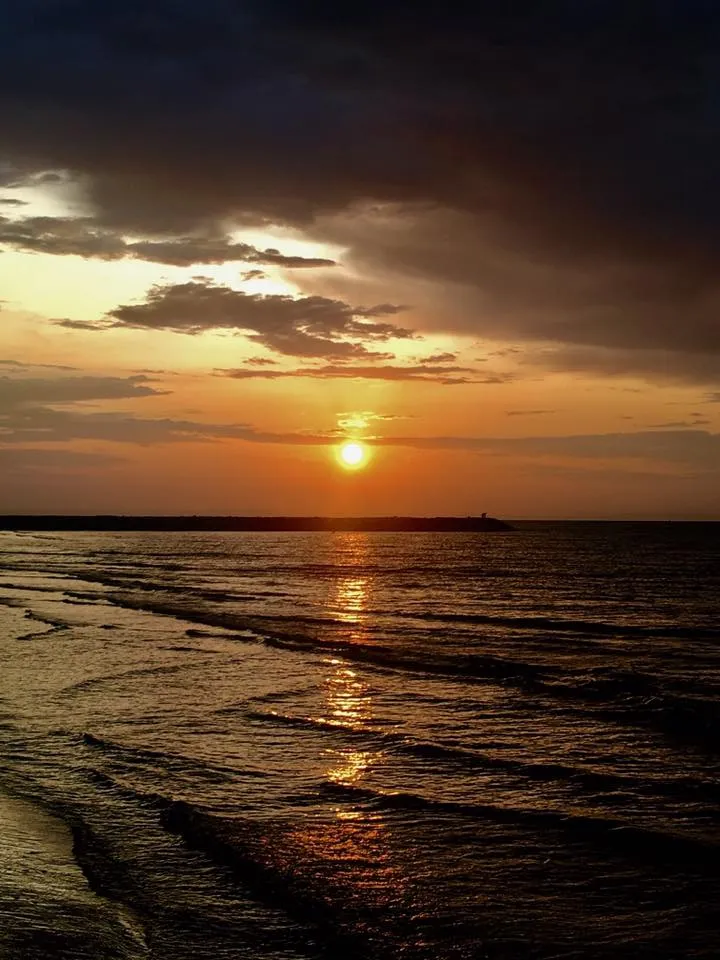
(242, 413)
(484, 242)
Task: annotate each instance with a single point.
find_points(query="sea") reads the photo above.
(357, 745)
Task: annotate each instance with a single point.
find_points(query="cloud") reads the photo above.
(10, 175)
(528, 413)
(29, 414)
(677, 424)
(259, 361)
(82, 237)
(678, 449)
(37, 424)
(50, 411)
(55, 235)
(75, 324)
(648, 313)
(436, 358)
(20, 460)
(31, 365)
(661, 365)
(225, 95)
(185, 251)
(698, 447)
(300, 327)
(360, 420)
(17, 391)
(447, 375)
(559, 160)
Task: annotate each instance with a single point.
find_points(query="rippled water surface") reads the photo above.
(361, 745)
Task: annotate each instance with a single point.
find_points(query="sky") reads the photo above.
(481, 243)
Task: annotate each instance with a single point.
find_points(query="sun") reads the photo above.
(353, 455)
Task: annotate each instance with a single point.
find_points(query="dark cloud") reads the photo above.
(29, 414)
(39, 424)
(300, 327)
(10, 176)
(185, 251)
(81, 237)
(17, 391)
(446, 375)
(75, 324)
(273, 257)
(56, 235)
(528, 413)
(649, 313)
(440, 358)
(31, 365)
(678, 424)
(700, 365)
(697, 447)
(575, 144)
(32, 459)
(12, 202)
(253, 106)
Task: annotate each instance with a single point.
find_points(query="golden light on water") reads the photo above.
(349, 703)
(351, 598)
(353, 455)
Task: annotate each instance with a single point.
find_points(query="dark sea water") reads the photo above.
(361, 745)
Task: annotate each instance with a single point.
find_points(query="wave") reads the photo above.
(625, 697)
(173, 904)
(695, 852)
(167, 760)
(326, 924)
(50, 625)
(325, 875)
(346, 920)
(28, 588)
(524, 624)
(559, 625)
(691, 718)
(686, 787)
(631, 697)
(91, 682)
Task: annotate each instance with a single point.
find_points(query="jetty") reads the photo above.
(189, 524)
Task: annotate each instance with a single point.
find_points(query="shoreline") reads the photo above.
(47, 901)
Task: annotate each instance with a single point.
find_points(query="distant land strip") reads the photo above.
(480, 524)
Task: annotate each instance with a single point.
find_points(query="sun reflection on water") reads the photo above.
(351, 598)
(348, 836)
(348, 698)
(350, 706)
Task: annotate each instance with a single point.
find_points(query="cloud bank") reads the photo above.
(295, 326)
(550, 169)
(83, 237)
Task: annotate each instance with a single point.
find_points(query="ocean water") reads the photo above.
(361, 745)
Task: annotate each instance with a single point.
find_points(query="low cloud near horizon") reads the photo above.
(55, 410)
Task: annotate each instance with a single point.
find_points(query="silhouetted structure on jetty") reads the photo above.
(481, 524)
